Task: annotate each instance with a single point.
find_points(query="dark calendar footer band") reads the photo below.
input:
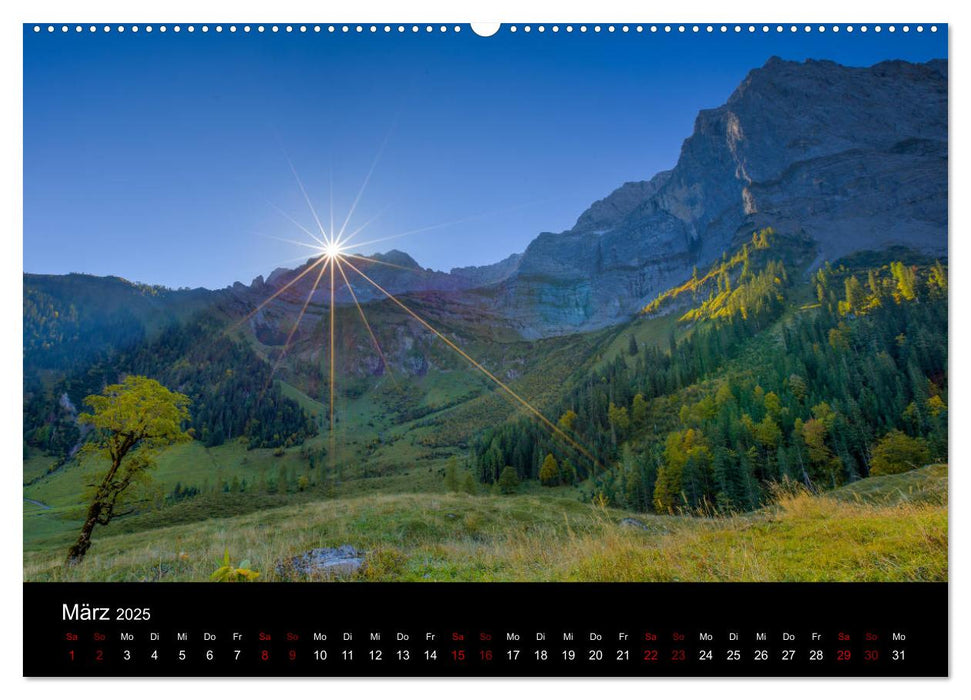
(472, 629)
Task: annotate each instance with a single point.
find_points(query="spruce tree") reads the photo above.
(549, 473)
(452, 475)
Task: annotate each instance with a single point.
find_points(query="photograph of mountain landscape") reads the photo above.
(571, 305)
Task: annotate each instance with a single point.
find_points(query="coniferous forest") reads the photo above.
(232, 392)
(766, 378)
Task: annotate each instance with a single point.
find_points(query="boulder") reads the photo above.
(327, 562)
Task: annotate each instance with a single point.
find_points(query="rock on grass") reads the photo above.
(326, 562)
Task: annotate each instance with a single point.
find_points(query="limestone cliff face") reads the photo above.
(855, 157)
(485, 275)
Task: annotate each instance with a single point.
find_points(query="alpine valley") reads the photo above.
(742, 364)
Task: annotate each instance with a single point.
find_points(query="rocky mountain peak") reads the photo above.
(855, 157)
(606, 213)
(396, 257)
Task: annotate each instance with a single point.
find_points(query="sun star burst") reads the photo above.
(333, 256)
(332, 249)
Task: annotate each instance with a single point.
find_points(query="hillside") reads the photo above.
(761, 376)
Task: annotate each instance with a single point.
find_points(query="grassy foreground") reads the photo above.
(881, 529)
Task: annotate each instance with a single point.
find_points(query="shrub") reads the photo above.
(508, 480)
(897, 452)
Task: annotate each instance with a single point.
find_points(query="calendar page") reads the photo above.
(509, 350)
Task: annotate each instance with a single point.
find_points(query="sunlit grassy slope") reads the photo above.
(881, 529)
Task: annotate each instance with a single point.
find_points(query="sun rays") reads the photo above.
(334, 262)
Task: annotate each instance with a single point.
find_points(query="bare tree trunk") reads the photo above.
(81, 547)
(95, 511)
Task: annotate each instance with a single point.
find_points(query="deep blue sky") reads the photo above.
(159, 157)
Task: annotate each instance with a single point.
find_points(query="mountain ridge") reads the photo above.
(853, 157)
